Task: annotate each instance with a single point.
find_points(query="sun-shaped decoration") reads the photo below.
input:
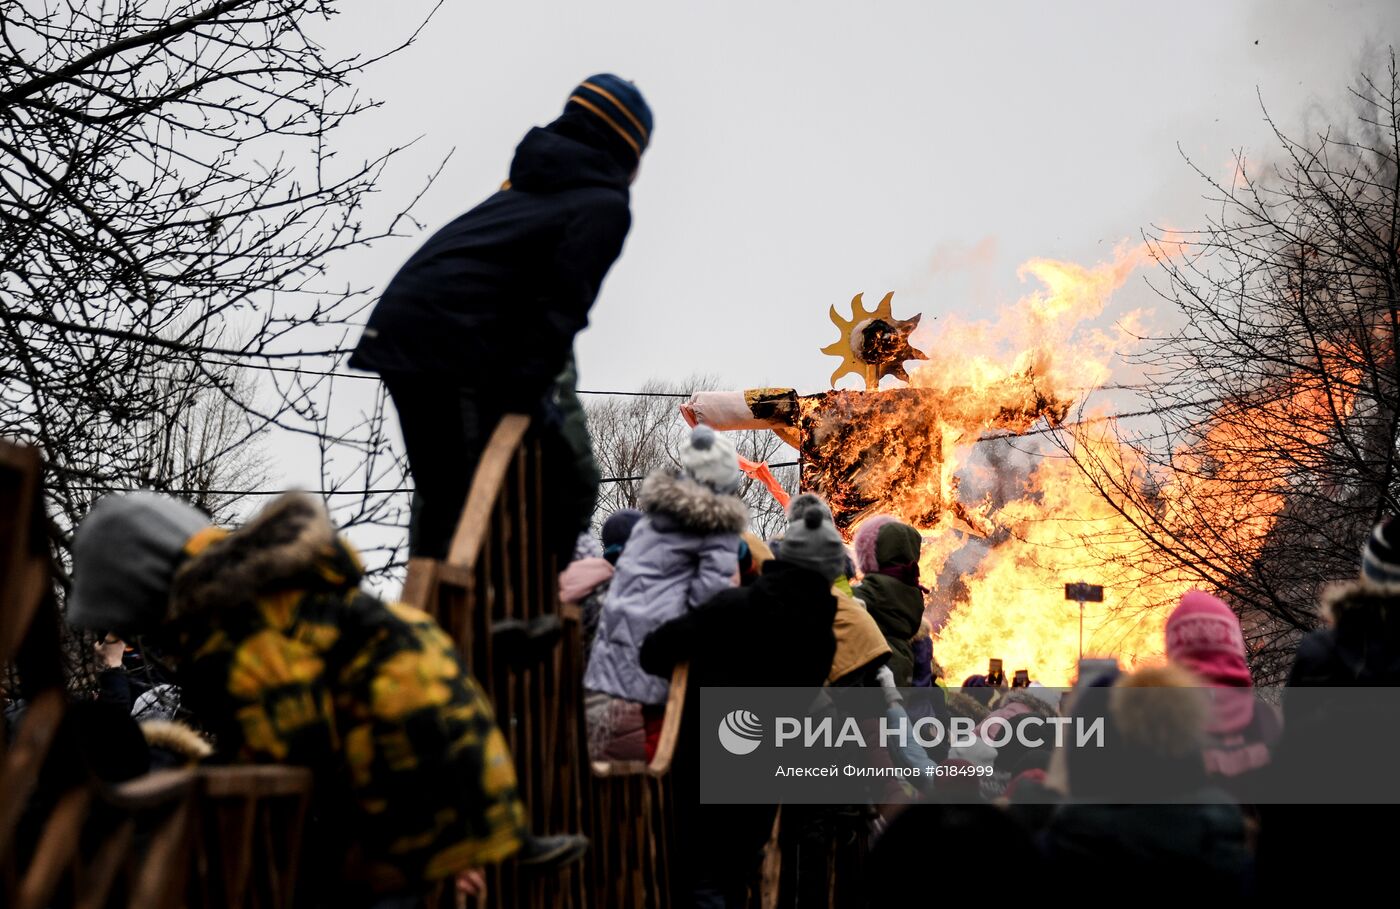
(873, 344)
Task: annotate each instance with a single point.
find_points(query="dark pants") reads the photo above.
(445, 431)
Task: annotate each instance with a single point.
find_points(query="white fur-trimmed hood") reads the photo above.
(693, 505)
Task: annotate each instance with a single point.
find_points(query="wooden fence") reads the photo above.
(497, 571)
(218, 836)
(231, 836)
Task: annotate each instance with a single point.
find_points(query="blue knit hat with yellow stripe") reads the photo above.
(618, 105)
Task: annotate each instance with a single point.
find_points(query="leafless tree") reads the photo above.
(1278, 399)
(636, 434)
(171, 201)
(207, 438)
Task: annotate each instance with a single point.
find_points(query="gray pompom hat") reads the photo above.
(812, 540)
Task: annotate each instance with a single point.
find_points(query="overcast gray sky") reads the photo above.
(807, 151)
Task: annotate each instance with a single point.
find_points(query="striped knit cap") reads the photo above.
(619, 105)
(1380, 557)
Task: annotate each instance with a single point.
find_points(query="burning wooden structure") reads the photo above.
(883, 450)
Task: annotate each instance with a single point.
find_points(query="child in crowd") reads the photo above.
(683, 551)
(776, 632)
(887, 551)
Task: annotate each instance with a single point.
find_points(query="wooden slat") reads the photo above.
(256, 815)
(23, 570)
(255, 782)
(418, 584)
(58, 844)
(94, 889)
(486, 483)
(161, 877)
(25, 758)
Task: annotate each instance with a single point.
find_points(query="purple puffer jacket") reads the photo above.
(683, 551)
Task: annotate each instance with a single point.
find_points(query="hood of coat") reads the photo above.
(1154, 734)
(692, 506)
(177, 738)
(885, 540)
(547, 162)
(1362, 601)
(1364, 636)
(798, 587)
(289, 543)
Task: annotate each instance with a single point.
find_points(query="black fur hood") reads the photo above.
(289, 543)
(1362, 642)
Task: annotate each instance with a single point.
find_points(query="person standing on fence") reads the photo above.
(480, 322)
(285, 660)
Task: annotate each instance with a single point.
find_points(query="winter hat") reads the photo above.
(617, 529)
(812, 540)
(1154, 733)
(125, 553)
(1380, 557)
(617, 104)
(864, 542)
(884, 541)
(710, 458)
(1204, 636)
(1029, 784)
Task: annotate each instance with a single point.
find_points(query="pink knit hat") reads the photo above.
(866, 536)
(1204, 636)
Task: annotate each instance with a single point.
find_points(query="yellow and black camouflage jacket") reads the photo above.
(285, 660)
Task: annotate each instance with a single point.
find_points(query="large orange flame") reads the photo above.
(1004, 540)
(1003, 375)
(1005, 594)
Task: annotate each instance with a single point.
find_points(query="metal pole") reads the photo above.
(1081, 629)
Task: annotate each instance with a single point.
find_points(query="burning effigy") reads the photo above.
(956, 444)
(882, 450)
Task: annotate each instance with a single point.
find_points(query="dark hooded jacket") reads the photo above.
(498, 295)
(1141, 809)
(897, 607)
(285, 660)
(1348, 666)
(776, 632)
(1338, 743)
